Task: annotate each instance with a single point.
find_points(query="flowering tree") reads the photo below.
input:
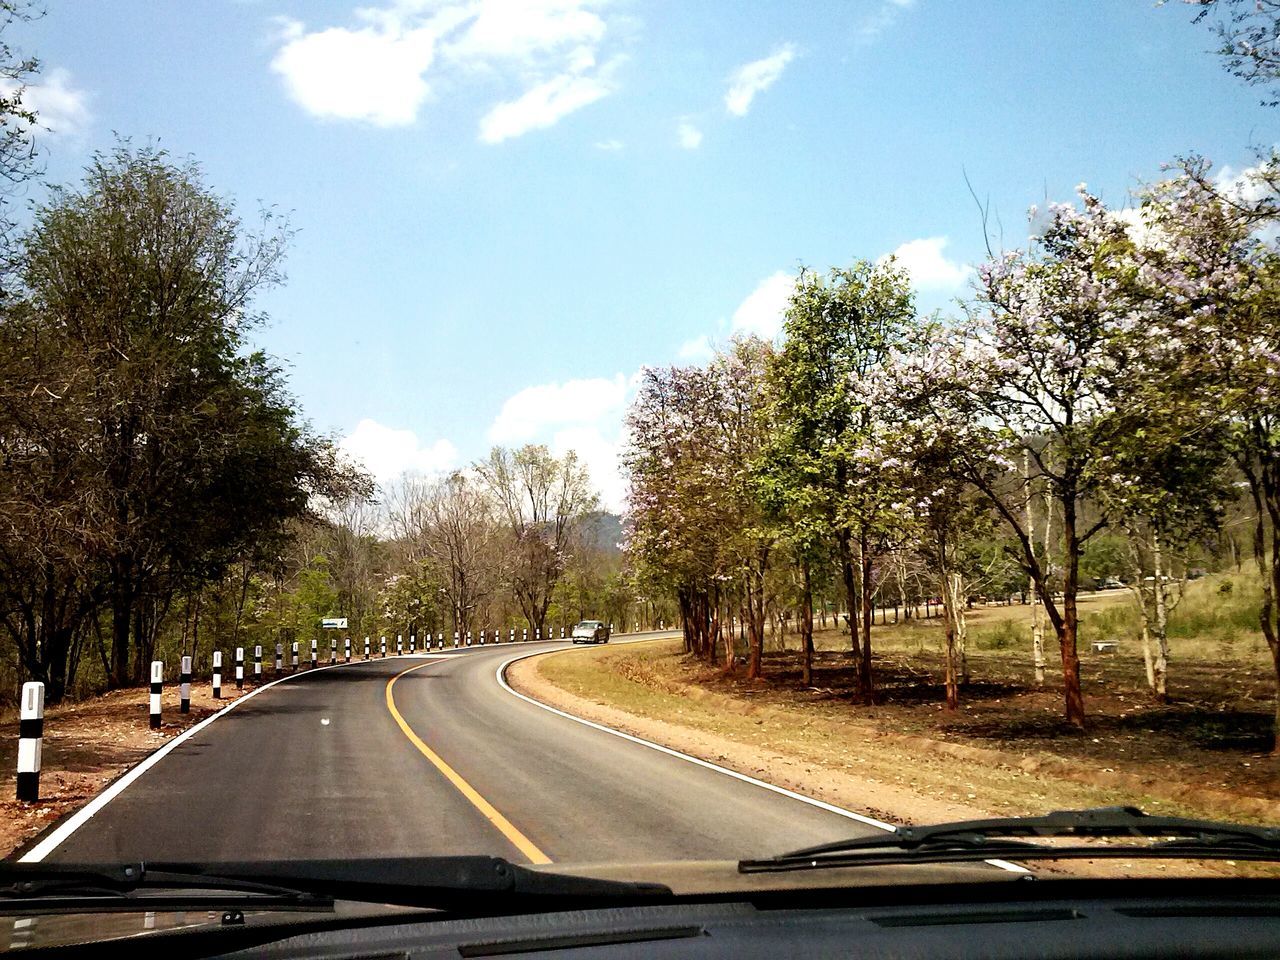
(1039, 372)
(1213, 265)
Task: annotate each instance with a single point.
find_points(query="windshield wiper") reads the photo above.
(477, 882)
(974, 840)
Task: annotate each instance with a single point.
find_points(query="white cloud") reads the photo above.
(59, 107)
(536, 411)
(543, 105)
(882, 19)
(609, 146)
(387, 453)
(690, 137)
(752, 78)
(385, 66)
(698, 349)
(374, 73)
(765, 307)
(527, 29)
(928, 268)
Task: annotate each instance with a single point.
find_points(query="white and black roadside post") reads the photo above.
(217, 674)
(30, 738)
(399, 644)
(239, 668)
(440, 640)
(279, 658)
(184, 686)
(413, 643)
(366, 648)
(333, 650)
(314, 652)
(482, 638)
(384, 646)
(537, 633)
(524, 634)
(511, 637)
(346, 649)
(293, 655)
(455, 639)
(257, 663)
(468, 638)
(562, 633)
(157, 685)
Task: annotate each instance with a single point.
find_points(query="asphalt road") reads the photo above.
(321, 766)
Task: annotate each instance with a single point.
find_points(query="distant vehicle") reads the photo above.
(591, 631)
(1195, 573)
(1110, 583)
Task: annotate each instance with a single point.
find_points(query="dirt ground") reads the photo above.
(86, 746)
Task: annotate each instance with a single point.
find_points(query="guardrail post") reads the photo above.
(257, 663)
(468, 638)
(239, 668)
(440, 640)
(279, 658)
(399, 644)
(184, 686)
(384, 646)
(413, 643)
(455, 640)
(366, 648)
(157, 685)
(524, 634)
(346, 648)
(217, 674)
(333, 650)
(482, 638)
(293, 655)
(30, 741)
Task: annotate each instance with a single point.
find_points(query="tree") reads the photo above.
(1250, 35)
(449, 529)
(139, 286)
(1214, 270)
(1036, 371)
(829, 430)
(541, 499)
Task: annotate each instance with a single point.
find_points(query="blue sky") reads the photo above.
(506, 208)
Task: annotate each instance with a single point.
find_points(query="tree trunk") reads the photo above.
(806, 625)
(1160, 673)
(850, 594)
(1037, 623)
(866, 686)
(1068, 632)
(950, 589)
(122, 600)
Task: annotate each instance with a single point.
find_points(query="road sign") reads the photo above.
(334, 623)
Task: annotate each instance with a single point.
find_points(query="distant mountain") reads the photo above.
(603, 530)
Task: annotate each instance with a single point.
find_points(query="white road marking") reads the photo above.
(501, 677)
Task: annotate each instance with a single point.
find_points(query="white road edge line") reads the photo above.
(86, 813)
(501, 677)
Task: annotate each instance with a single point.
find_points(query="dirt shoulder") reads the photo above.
(87, 745)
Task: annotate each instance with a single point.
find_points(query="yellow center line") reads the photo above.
(518, 839)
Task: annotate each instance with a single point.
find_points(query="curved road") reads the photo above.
(321, 766)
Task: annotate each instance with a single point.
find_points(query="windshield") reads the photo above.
(623, 437)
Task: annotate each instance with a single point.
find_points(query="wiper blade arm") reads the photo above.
(406, 881)
(990, 839)
(21, 881)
